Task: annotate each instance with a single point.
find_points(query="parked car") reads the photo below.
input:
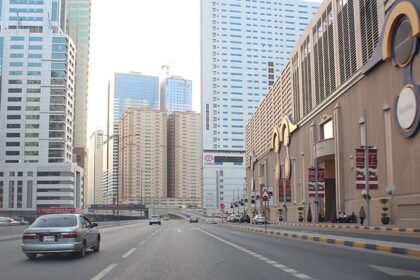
(6, 221)
(60, 233)
(21, 221)
(244, 218)
(237, 217)
(193, 219)
(154, 219)
(212, 220)
(230, 218)
(166, 218)
(258, 219)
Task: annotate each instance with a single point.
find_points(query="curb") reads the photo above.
(334, 241)
(367, 228)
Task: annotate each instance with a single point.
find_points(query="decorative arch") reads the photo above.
(281, 134)
(403, 8)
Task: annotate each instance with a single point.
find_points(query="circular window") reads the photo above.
(402, 45)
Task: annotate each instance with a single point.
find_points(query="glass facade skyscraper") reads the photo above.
(131, 90)
(244, 46)
(176, 95)
(135, 90)
(77, 25)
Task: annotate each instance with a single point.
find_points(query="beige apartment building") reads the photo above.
(346, 105)
(93, 193)
(184, 157)
(142, 156)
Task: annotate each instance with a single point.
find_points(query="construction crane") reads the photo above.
(166, 68)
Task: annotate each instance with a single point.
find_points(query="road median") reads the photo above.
(405, 249)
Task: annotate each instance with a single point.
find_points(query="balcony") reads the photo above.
(325, 148)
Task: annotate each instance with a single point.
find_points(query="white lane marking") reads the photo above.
(128, 253)
(104, 272)
(302, 276)
(260, 257)
(279, 265)
(178, 230)
(289, 270)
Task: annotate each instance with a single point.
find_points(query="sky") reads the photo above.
(141, 36)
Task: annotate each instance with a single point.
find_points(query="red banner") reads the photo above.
(311, 174)
(360, 158)
(372, 168)
(321, 175)
(57, 210)
(373, 157)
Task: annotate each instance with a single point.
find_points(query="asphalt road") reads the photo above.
(179, 250)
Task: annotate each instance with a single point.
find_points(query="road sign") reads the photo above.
(265, 194)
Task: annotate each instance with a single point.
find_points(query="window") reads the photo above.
(327, 130)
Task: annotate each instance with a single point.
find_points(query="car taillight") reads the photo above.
(68, 235)
(27, 236)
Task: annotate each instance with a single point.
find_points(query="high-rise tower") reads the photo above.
(38, 68)
(77, 25)
(176, 95)
(244, 46)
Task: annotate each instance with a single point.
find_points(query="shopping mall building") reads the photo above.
(352, 90)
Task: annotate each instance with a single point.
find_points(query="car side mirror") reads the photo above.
(94, 224)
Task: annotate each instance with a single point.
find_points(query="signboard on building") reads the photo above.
(208, 159)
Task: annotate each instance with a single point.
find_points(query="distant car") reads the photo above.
(230, 218)
(6, 221)
(60, 233)
(244, 218)
(21, 221)
(166, 218)
(237, 217)
(154, 219)
(212, 220)
(258, 219)
(193, 219)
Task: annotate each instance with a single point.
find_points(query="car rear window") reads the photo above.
(56, 221)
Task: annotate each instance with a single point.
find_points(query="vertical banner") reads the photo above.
(373, 168)
(312, 180)
(372, 165)
(321, 182)
(360, 168)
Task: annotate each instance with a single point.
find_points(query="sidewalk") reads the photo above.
(407, 249)
(354, 227)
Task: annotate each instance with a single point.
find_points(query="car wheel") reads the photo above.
(82, 251)
(31, 256)
(150, 224)
(97, 246)
(160, 224)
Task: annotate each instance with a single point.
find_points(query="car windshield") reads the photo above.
(55, 221)
(154, 217)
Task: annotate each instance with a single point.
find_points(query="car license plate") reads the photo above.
(48, 238)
